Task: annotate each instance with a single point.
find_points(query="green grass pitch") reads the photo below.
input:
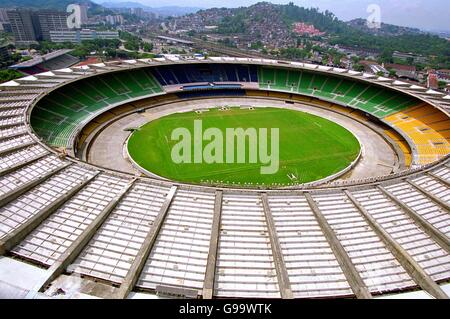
(311, 147)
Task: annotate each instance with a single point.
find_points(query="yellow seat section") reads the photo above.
(400, 141)
(427, 128)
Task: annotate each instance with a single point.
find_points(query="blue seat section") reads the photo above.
(211, 87)
(209, 93)
(192, 73)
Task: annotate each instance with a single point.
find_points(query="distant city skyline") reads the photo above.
(424, 14)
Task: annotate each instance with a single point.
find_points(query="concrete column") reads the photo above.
(440, 179)
(409, 264)
(138, 264)
(357, 285)
(434, 233)
(283, 278)
(435, 199)
(208, 284)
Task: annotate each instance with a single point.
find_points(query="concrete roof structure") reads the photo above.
(74, 221)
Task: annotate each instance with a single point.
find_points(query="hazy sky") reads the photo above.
(425, 14)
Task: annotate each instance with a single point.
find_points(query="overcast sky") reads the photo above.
(425, 14)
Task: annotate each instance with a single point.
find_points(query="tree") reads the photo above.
(442, 84)
(392, 73)
(147, 47)
(8, 75)
(131, 45)
(358, 67)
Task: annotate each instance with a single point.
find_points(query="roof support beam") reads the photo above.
(13, 134)
(283, 278)
(21, 164)
(16, 236)
(9, 125)
(357, 285)
(139, 262)
(429, 195)
(409, 264)
(78, 245)
(8, 197)
(208, 283)
(437, 236)
(440, 179)
(16, 148)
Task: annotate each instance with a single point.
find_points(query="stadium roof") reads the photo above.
(40, 59)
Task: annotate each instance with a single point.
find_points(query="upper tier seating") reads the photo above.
(195, 73)
(217, 92)
(57, 116)
(375, 100)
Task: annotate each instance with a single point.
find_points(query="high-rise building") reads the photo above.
(4, 54)
(84, 17)
(32, 26)
(50, 20)
(22, 26)
(77, 36)
(139, 12)
(114, 19)
(432, 80)
(3, 15)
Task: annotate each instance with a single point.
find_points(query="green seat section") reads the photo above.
(266, 76)
(293, 79)
(56, 117)
(373, 99)
(281, 77)
(318, 81)
(305, 83)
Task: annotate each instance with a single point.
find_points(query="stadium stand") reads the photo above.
(210, 93)
(404, 147)
(352, 239)
(375, 100)
(176, 74)
(52, 61)
(61, 112)
(427, 128)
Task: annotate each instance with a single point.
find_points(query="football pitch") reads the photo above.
(310, 147)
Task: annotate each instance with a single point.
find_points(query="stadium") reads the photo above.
(91, 207)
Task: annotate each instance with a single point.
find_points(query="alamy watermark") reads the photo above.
(74, 19)
(231, 148)
(373, 21)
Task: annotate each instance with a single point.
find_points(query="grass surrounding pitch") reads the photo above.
(311, 147)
